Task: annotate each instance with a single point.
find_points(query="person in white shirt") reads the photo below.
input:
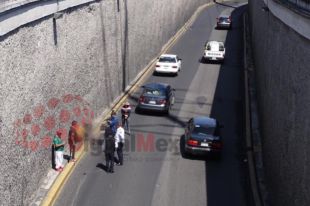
(119, 143)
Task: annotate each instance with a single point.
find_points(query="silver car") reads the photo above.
(157, 97)
(224, 22)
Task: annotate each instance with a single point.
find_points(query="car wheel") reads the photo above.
(167, 112)
(203, 60)
(186, 153)
(137, 110)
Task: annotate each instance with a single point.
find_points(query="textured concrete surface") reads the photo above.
(282, 68)
(28, 13)
(54, 71)
(10, 4)
(291, 18)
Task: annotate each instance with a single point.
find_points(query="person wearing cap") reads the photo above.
(59, 147)
(126, 111)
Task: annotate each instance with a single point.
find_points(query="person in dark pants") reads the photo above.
(119, 143)
(109, 149)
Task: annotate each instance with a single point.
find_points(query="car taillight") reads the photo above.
(157, 65)
(192, 142)
(161, 101)
(174, 67)
(217, 145)
(141, 99)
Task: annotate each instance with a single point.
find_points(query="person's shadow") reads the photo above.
(102, 166)
(67, 157)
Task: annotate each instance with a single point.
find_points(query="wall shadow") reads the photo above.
(227, 177)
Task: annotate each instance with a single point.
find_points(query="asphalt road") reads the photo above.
(156, 173)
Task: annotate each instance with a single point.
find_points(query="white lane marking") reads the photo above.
(182, 181)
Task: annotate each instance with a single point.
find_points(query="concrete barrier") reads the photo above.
(6, 5)
(25, 13)
(281, 57)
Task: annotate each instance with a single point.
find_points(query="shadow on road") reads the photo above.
(102, 166)
(228, 176)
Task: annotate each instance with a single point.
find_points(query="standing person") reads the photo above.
(72, 137)
(126, 111)
(59, 147)
(109, 150)
(107, 132)
(119, 143)
(113, 121)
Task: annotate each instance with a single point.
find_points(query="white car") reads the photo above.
(168, 63)
(214, 51)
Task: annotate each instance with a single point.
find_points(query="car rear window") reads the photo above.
(198, 129)
(155, 92)
(223, 18)
(167, 59)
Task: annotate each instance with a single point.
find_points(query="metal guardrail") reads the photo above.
(302, 6)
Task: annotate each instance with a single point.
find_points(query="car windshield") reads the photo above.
(223, 18)
(167, 59)
(203, 130)
(155, 92)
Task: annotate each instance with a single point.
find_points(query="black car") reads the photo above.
(157, 97)
(202, 136)
(224, 22)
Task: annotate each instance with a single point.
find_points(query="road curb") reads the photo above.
(252, 130)
(61, 179)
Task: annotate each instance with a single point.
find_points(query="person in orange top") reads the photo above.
(72, 137)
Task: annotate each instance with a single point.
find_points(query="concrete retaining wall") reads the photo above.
(283, 76)
(10, 4)
(54, 71)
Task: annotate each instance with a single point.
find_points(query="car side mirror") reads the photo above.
(173, 89)
(180, 59)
